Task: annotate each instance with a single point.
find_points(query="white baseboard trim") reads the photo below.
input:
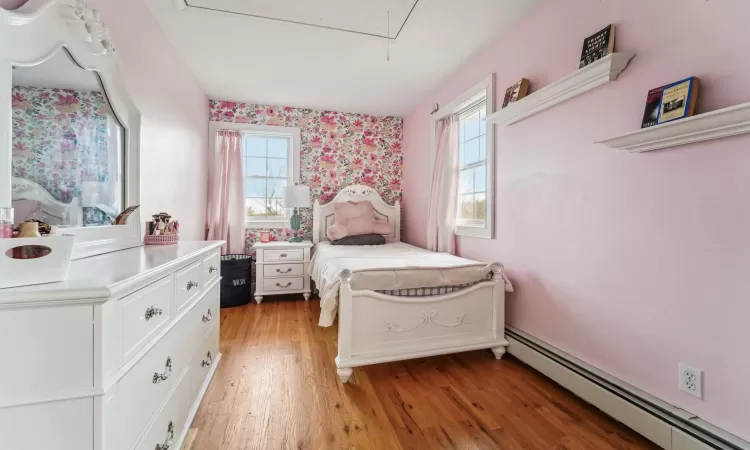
(668, 427)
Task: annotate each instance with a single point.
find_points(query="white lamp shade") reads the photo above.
(296, 196)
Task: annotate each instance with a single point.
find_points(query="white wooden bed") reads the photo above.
(375, 327)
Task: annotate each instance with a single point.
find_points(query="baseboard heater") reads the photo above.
(669, 427)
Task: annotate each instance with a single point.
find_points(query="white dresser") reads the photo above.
(118, 357)
(281, 268)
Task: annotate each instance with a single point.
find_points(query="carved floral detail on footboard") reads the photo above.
(427, 318)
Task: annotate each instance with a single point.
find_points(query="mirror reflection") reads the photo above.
(67, 146)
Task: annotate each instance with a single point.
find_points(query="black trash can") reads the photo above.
(236, 280)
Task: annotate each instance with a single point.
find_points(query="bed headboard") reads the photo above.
(53, 209)
(323, 214)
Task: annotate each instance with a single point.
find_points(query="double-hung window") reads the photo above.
(270, 162)
(472, 163)
(476, 164)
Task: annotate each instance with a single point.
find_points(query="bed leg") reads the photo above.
(344, 373)
(498, 351)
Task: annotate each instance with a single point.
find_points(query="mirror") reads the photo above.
(67, 146)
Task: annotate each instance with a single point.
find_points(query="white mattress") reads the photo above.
(386, 267)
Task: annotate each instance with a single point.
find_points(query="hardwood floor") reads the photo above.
(276, 388)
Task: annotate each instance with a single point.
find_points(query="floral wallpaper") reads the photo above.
(60, 138)
(338, 149)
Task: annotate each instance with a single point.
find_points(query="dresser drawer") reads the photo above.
(204, 360)
(46, 352)
(205, 313)
(165, 430)
(283, 270)
(144, 387)
(211, 267)
(296, 254)
(187, 284)
(66, 425)
(283, 284)
(143, 314)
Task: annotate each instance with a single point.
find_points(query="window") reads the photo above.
(266, 169)
(476, 167)
(270, 161)
(472, 162)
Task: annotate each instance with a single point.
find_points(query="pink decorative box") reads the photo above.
(162, 239)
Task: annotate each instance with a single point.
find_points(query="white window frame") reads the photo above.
(294, 162)
(485, 88)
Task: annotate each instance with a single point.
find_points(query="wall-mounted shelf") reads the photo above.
(714, 125)
(582, 80)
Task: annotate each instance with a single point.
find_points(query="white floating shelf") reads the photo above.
(703, 127)
(582, 80)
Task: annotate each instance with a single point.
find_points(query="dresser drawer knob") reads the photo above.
(207, 317)
(158, 377)
(283, 255)
(170, 438)
(289, 269)
(212, 269)
(151, 312)
(210, 361)
(191, 284)
(284, 286)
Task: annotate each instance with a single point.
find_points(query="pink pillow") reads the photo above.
(355, 218)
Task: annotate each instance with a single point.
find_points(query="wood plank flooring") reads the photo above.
(276, 388)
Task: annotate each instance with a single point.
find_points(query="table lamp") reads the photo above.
(296, 196)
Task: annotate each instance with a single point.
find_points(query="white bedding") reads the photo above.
(386, 267)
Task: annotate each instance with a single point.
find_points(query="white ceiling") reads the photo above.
(294, 52)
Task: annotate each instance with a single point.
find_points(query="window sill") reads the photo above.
(256, 224)
(475, 232)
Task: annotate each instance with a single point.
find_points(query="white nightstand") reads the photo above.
(281, 268)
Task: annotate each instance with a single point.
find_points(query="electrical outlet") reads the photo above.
(691, 380)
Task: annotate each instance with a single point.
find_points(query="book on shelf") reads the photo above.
(516, 92)
(597, 46)
(651, 113)
(678, 100)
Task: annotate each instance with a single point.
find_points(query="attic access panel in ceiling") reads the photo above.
(367, 17)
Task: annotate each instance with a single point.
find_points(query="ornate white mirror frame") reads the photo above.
(34, 33)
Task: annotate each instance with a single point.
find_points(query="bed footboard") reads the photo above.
(376, 328)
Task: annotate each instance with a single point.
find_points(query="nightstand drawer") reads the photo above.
(283, 270)
(296, 254)
(283, 284)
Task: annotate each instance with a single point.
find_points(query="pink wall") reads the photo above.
(174, 133)
(631, 262)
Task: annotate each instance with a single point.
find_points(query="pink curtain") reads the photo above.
(226, 201)
(441, 222)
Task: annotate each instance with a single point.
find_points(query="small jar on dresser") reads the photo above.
(281, 268)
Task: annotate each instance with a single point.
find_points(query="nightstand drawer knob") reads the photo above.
(289, 269)
(284, 286)
(283, 255)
